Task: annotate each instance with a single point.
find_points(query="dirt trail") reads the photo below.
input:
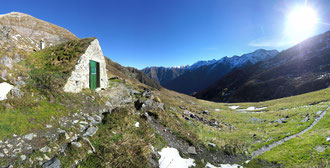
(268, 148)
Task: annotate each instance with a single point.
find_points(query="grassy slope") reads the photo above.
(120, 144)
(302, 150)
(121, 141)
(47, 71)
(44, 103)
(247, 135)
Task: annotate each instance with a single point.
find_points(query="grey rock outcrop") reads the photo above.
(45, 149)
(152, 105)
(281, 120)
(53, 163)
(7, 61)
(16, 92)
(91, 131)
(29, 136)
(192, 150)
(76, 144)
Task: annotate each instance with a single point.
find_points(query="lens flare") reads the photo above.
(301, 23)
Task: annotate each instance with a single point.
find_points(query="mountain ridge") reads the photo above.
(178, 79)
(132, 123)
(302, 68)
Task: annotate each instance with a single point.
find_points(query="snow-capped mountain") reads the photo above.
(189, 79)
(201, 63)
(302, 68)
(238, 61)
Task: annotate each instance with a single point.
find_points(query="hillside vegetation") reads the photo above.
(128, 123)
(234, 134)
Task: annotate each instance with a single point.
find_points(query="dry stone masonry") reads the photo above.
(79, 78)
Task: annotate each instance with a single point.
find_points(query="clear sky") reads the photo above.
(141, 33)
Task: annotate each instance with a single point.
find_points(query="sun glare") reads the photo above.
(301, 23)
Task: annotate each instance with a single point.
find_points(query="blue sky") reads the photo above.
(141, 33)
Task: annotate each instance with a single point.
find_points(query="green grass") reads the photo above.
(51, 67)
(33, 111)
(247, 135)
(245, 128)
(47, 71)
(120, 144)
(27, 114)
(302, 150)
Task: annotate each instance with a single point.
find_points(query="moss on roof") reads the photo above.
(52, 66)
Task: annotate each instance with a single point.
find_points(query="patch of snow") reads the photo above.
(170, 158)
(230, 166)
(137, 124)
(4, 90)
(202, 63)
(253, 108)
(233, 107)
(216, 109)
(209, 165)
(179, 67)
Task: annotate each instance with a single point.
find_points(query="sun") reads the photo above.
(301, 23)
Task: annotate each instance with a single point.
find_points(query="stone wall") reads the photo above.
(79, 78)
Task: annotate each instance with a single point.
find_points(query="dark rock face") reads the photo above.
(300, 69)
(141, 77)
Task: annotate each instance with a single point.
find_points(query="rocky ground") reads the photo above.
(46, 146)
(42, 147)
(72, 128)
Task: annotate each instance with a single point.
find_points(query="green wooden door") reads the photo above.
(92, 75)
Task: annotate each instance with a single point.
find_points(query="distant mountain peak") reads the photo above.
(253, 57)
(188, 79)
(180, 66)
(300, 69)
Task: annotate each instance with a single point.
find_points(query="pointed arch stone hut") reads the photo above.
(89, 72)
